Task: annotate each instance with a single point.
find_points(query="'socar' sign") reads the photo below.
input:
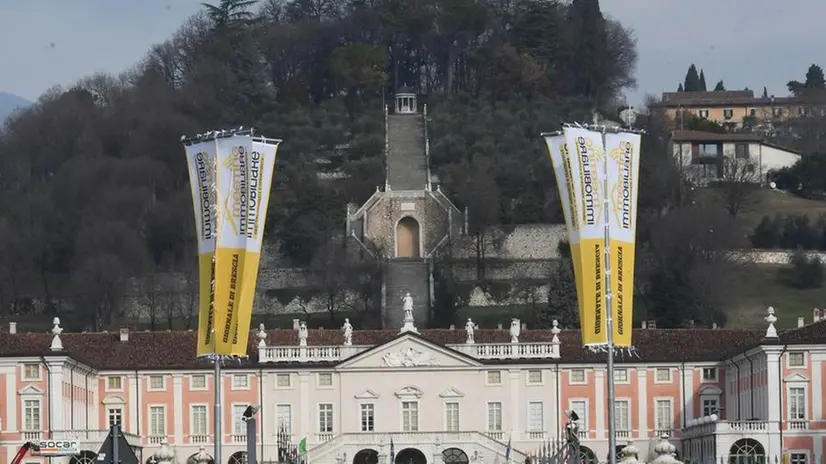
(58, 447)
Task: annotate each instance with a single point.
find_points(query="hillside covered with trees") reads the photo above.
(96, 191)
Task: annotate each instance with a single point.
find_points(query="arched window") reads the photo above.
(85, 457)
(455, 456)
(747, 451)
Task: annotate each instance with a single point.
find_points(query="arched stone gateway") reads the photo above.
(239, 457)
(85, 457)
(408, 238)
(455, 456)
(410, 456)
(747, 451)
(366, 456)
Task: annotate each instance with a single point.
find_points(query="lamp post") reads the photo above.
(249, 418)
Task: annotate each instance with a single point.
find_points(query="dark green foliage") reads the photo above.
(805, 272)
(790, 232)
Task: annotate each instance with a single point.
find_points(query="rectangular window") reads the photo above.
(797, 403)
(708, 149)
(31, 416)
(704, 114)
(31, 371)
(622, 421)
(325, 379)
(709, 374)
(239, 426)
(580, 407)
(536, 419)
(663, 375)
(157, 421)
(156, 382)
(752, 112)
(799, 458)
(495, 417)
(410, 416)
(578, 376)
(665, 415)
(494, 377)
(200, 424)
(777, 112)
(535, 376)
(115, 416)
(796, 360)
(741, 150)
(621, 375)
(114, 383)
(368, 417)
(452, 417)
(282, 380)
(240, 382)
(325, 418)
(284, 418)
(710, 406)
(728, 113)
(198, 382)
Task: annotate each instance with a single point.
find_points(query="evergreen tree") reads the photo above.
(765, 92)
(702, 81)
(680, 87)
(720, 87)
(692, 80)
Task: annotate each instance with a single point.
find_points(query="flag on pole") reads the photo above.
(508, 449)
(392, 455)
(302, 449)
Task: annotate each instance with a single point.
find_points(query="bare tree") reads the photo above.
(739, 183)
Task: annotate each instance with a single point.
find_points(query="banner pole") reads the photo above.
(218, 416)
(609, 319)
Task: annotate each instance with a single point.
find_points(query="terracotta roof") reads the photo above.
(730, 98)
(176, 349)
(700, 136)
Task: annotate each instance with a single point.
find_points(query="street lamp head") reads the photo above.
(250, 412)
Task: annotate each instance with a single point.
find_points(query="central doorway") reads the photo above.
(410, 456)
(407, 238)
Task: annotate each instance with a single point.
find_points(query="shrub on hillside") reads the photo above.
(806, 271)
(790, 232)
(767, 233)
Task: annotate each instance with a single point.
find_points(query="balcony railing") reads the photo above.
(200, 439)
(306, 354)
(32, 436)
(623, 433)
(238, 438)
(89, 436)
(799, 424)
(156, 439)
(705, 427)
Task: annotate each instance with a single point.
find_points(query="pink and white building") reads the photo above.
(718, 393)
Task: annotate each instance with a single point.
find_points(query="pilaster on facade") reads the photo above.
(601, 407)
(642, 401)
(515, 377)
(55, 372)
(12, 403)
(178, 407)
(134, 408)
(308, 410)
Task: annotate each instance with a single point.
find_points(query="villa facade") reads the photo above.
(436, 395)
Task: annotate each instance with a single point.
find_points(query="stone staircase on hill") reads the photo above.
(406, 158)
(405, 275)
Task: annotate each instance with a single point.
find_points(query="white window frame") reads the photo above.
(458, 416)
(670, 379)
(321, 375)
(149, 386)
(237, 385)
(165, 432)
(501, 417)
(528, 425)
(109, 410)
(716, 401)
(414, 427)
(797, 386)
(24, 374)
(278, 420)
(626, 380)
(239, 427)
(571, 380)
(789, 364)
(629, 424)
(283, 375)
(716, 372)
(670, 402)
(23, 409)
(192, 386)
(108, 385)
(192, 419)
(541, 377)
(488, 380)
(583, 418)
(332, 418)
(365, 406)
(799, 452)
(703, 113)
(730, 111)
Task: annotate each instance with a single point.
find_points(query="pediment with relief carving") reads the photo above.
(409, 393)
(408, 351)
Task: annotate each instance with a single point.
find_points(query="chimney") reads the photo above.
(644, 325)
(12, 327)
(691, 323)
(452, 327)
(652, 324)
(499, 326)
(524, 326)
(801, 322)
(713, 325)
(296, 324)
(124, 334)
(818, 315)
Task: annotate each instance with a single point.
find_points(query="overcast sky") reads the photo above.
(752, 44)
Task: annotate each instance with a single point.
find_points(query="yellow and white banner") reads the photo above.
(587, 168)
(623, 180)
(200, 160)
(260, 165)
(561, 162)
